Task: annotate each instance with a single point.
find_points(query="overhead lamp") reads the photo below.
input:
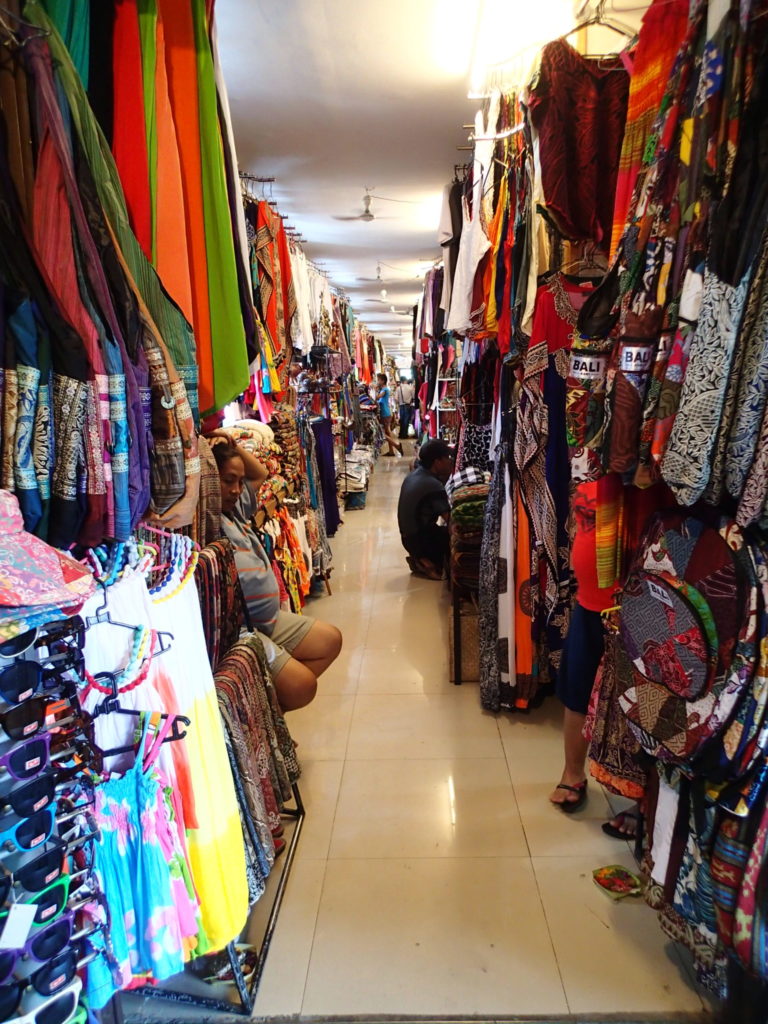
(494, 59)
(392, 309)
(383, 293)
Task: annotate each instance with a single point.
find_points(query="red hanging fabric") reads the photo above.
(129, 141)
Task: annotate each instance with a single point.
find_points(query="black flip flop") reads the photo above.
(615, 833)
(569, 806)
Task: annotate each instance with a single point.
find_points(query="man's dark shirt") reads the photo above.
(422, 500)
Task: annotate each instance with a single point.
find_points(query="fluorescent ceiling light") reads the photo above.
(508, 37)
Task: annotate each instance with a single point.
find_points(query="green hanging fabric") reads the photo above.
(230, 358)
(174, 329)
(148, 33)
(73, 20)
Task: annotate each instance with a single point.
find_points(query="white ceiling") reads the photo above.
(331, 96)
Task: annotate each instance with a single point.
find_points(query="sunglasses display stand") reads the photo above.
(40, 671)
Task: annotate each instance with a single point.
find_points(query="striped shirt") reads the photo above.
(257, 577)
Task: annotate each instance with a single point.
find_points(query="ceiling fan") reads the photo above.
(392, 309)
(386, 280)
(367, 214)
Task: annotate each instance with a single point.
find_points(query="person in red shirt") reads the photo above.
(583, 650)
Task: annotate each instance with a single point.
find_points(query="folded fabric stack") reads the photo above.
(38, 584)
(356, 470)
(468, 503)
(286, 435)
(352, 479)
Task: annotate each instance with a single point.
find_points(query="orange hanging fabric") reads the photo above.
(172, 260)
(181, 68)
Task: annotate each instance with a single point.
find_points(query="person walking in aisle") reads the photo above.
(404, 399)
(422, 502)
(298, 648)
(385, 414)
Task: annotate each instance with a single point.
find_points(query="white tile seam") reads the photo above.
(549, 933)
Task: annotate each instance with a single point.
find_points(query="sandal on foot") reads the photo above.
(569, 806)
(616, 831)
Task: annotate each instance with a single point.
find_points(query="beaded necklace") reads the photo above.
(142, 653)
(188, 574)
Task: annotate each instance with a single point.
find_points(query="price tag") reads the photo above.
(18, 925)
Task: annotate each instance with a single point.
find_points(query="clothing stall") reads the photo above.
(150, 781)
(601, 296)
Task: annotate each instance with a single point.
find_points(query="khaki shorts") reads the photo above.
(290, 629)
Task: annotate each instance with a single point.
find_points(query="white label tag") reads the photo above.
(52, 876)
(57, 982)
(48, 912)
(29, 729)
(659, 593)
(18, 925)
(37, 840)
(32, 763)
(588, 367)
(41, 803)
(636, 358)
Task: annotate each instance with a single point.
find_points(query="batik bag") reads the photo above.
(688, 626)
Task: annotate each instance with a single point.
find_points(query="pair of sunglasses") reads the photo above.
(22, 678)
(24, 720)
(28, 759)
(46, 980)
(52, 901)
(61, 1008)
(44, 945)
(25, 834)
(33, 872)
(29, 797)
(71, 630)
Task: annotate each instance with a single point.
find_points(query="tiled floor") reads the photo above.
(432, 876)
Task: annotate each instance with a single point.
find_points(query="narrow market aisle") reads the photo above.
(432, 876)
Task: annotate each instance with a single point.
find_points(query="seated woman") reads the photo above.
(298, 648)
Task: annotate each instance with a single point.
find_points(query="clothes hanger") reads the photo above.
(600, 18)
(108, 680)
(103, 614)
(591, 259)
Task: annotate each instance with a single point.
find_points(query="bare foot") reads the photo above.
(623, 826)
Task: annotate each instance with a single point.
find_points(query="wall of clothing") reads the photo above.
(602, 296)
(142, 284)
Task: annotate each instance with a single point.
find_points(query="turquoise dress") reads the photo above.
(383, 400)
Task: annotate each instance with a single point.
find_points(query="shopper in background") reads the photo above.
(298, 648)
(383, 398)
(404, 399)
(422, 502)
